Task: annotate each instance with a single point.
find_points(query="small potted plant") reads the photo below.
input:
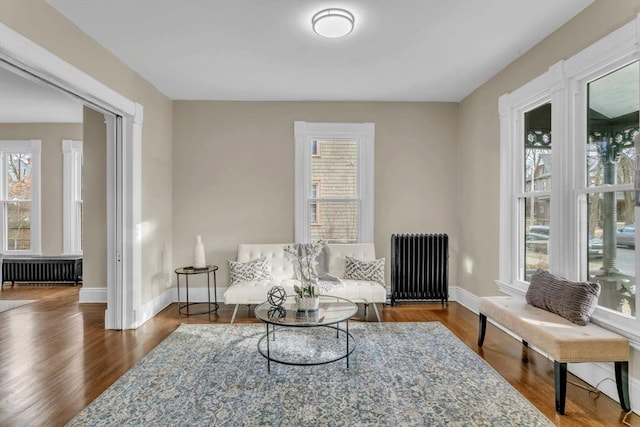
(306, 297)
(305, 257)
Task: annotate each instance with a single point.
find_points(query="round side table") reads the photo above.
(189, 271)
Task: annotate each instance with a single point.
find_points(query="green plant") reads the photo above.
(305, 291)
(304, 257)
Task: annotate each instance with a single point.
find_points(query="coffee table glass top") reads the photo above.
(332, 310)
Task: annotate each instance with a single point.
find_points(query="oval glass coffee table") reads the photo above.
(302, 340)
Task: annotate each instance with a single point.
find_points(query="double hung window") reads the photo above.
(334, 185)
(20, 196)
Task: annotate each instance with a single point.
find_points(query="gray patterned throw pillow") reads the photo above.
(372, 271)
(257, 269)
(575, 301)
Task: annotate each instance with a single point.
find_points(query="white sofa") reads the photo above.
(282, 272)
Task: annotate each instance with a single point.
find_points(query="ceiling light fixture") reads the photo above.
(333, 23)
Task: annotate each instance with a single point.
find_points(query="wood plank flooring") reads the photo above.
(56, 357)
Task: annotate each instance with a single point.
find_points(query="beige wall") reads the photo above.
(234, 172)
(51, 135)
(94, 200)
(40, 23)
(479, 142)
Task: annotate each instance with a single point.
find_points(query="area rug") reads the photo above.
(8, 304)
(409, 374)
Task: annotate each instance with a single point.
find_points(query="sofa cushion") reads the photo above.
(281, 266)
(356, 269)
(339, 252)
(575, 301)
(257, 269)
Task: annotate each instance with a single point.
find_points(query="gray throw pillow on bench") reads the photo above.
(575, 301)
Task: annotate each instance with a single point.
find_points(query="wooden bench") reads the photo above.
(562, 340)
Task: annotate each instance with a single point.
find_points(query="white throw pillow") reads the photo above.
(256, 269)
(372, 271)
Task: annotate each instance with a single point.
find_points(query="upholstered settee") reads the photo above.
(555, 317)
(280, 272)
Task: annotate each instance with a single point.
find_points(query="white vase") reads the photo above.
(307, 303)
(198, 254)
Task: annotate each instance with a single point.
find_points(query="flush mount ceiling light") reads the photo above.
(332, 23)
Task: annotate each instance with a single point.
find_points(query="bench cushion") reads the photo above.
(561, 339)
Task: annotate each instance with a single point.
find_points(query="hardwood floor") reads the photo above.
(56, 357)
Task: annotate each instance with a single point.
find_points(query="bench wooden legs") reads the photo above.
(482, 329)
(622, 382)
(560, 378)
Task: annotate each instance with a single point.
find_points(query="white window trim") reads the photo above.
(32, 147)
(561, 84)
(71, 181)
(305, 132)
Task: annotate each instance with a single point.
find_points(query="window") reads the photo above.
(342, 210)
(610, 164)
(574, 211)
(72, 196)
(20, 196)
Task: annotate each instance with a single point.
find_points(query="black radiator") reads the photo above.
(42, 269)
(419, 267)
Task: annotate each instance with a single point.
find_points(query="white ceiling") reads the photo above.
(26, 101)
(401, 50)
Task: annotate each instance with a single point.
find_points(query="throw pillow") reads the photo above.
(257, 269)
(575, 301)
(372, 271)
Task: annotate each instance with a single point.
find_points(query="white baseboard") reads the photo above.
(93, 295)
(159, 303)
(591, 373)
(153, 307)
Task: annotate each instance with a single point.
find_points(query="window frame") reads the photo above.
(34, 148)
(304, 133)
(565, 84)
(318, 193)
(72, 196)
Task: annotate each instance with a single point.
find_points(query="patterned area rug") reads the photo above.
(411, 374)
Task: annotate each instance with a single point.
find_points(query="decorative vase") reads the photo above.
(307, 303)
(198, 254)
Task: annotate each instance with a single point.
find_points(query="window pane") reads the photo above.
(18, 176)
(537, 149)
(337, 169)
(536, 232)
(19, 225)
(611, 249)
(338, 222)
(612, 123)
